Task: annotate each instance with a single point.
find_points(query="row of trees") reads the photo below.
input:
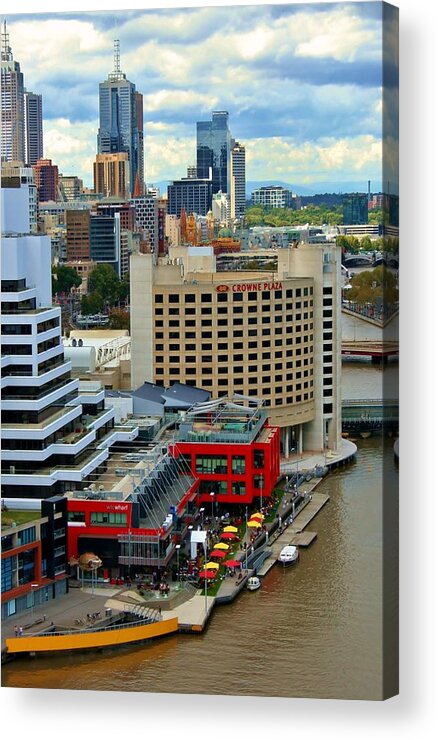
(373, 286)
(310, 214)
(354, 245)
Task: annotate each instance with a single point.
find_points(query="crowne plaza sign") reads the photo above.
(248, 287)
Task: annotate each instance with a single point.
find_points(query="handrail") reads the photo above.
(108, 628)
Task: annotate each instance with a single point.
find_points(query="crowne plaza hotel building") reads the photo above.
(272, 336)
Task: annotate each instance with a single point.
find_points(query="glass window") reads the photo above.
(238, 464)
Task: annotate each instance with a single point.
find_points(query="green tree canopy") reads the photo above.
(92, 304)
(104, 280)
(119, 319)
(64, 279)
(375, 285)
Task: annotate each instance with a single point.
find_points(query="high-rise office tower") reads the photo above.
(238, 180)
(33, 128)
(118, 115)
(12, 104)
(213, 141)
(46, 179)
(112, 175)
(139, 185)
(355, 209)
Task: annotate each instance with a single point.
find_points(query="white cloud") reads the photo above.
(72, 147)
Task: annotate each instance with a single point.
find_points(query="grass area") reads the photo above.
(19, 517)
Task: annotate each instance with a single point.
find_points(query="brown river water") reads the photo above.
(311, 630)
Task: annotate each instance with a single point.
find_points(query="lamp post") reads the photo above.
(212, 505)
(246, 535)
(201, 511)
(178, 548)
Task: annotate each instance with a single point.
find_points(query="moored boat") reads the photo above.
(253, 583)
(289, 555)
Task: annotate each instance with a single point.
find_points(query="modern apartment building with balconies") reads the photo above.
(56, 433)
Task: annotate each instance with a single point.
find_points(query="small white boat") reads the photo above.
(253, 583)
(289, 555)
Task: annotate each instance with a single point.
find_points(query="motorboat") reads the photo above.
(289, 555)
(253, 583)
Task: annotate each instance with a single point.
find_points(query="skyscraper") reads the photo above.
(111, 175)
(33, 128)
(46, 179)
(12, 104)
(238, 180)
(355, 208)
(118, 115)
(213, 141)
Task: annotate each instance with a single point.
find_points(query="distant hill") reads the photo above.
(316, 188)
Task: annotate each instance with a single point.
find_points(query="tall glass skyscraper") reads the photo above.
(33, 125)
(12, 104)
(118, 128)
(213, 141)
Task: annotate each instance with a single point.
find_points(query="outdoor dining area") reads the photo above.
(225, 558)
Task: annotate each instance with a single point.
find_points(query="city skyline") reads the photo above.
(302, 85)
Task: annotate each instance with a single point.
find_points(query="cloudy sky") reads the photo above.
(302, 84)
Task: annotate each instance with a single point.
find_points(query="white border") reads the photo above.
(44, 713)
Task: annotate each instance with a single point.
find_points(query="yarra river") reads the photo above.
(311, 630)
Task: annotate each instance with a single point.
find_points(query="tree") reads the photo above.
(105, 281)
(91, 304)
(119, 319)
(374, 285)
(64, 279)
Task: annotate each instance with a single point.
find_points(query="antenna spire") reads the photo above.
(6, 53)
(116, 56)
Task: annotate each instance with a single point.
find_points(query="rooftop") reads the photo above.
(236, 419)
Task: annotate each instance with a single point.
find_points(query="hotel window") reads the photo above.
(222, 309)
(174, 358)
(173, 347)
(252, 333)
(222, 345)
(327, 348)
(190, 335)
(159, 347)
(174, 371)
(158, 312)
(206, 310)
(222, 322)
(252, 381)
(266, 332)
(252, 356)
(252, 345)
(266, 295)
(172, 311)
(190, 347)
(222, 297)
(252, 309)
(222, 381)
(206, 335)
(238, 369)
(190, 298)
(158, 299)
(207, 346)
(190, 371)
(174, 335)
(266, 307)
(205, 298)
(223, 358)
(159, 371)
(207, 381)
(206, 322)
(238, 345)
(238, 322)
(237, 296)
(252, 296)
(174, 298)
(159, 335)
(278, 294)
(222, 334)
(190, 311)
(327, 291)
(328, 408)
(222, 370)
(206, 358)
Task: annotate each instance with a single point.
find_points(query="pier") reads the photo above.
(293, 534)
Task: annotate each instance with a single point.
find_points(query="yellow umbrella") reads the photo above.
(257, 515)
(230, 529)
(254, 523)
(221, 546)
(211, 566)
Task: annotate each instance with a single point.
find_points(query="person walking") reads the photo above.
(16, 630)
(20, 631)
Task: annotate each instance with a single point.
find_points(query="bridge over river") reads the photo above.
(370, 415)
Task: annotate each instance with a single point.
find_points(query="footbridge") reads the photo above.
(370, 415)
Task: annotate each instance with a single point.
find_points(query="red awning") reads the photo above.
(218, 554)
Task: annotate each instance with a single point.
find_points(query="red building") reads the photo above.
(133, 528)
(232, 450)
(46, 180)
(225, 455)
